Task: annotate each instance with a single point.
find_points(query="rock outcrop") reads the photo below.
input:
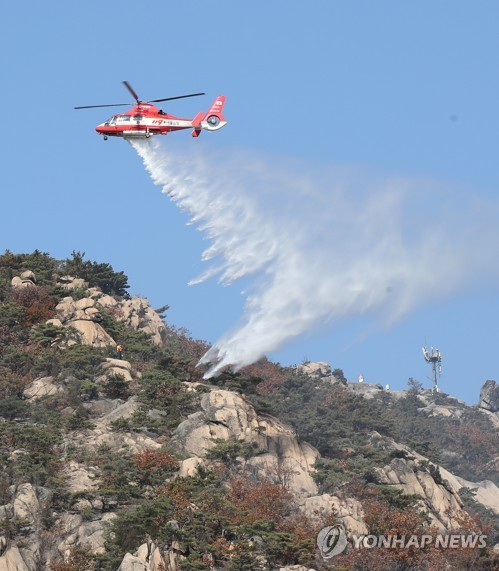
(12, 559)
(71, 283)
(84, 317)
(137, 314)
(102, 434)
(77, 532)
(42, 387)
(438, 488)
(25, 508)
(489, 397)
(147, 558)
(26, 279)
(439, 497)
(348, 511)
(227, 415)
(316, 370)
(447, 411)
(320, 370)
(118, 367)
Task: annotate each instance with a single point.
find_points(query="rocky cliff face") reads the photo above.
(227, 415)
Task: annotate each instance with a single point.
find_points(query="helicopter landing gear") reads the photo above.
(148, 135)
(105, 137)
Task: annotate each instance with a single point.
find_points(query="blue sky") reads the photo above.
(389, 90)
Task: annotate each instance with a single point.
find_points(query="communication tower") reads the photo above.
(434, 356)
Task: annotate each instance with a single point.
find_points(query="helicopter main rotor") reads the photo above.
(138, 101)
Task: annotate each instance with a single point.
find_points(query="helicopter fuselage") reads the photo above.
(145, 120)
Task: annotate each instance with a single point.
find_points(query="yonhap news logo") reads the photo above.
(332, 540)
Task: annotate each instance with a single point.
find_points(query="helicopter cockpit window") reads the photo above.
(138, 117)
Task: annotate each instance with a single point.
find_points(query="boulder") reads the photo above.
(367, 390)
(485, 493)
(41, 388)
(91, 333)
(105, 300)
(69, 282)
(84, 314)
(26, 279)
(348, 511)
(84, 304)
(28, 275)
(25, 508)
(124, 409)
(118, 367)
(189, 466)
(317, 370)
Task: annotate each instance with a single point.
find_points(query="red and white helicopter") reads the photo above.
(144, 119)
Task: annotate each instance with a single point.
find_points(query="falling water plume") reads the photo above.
(319, 244)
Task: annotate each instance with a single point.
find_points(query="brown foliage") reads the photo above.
(155, 460)
(478, 446)
(270, 375)
(259, 500)
(383, 519)
(37, 303)
(178, 492)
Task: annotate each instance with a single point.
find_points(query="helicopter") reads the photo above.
(145, 119)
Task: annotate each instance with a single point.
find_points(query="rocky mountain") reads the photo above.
(134, 462)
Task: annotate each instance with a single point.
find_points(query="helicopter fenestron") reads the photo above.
(145, 119)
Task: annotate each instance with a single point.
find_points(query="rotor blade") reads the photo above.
(111, 105)
(130, 89)
(178, 97)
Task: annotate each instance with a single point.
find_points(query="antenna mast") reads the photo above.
(434, 356)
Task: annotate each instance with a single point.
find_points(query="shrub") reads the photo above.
(80, 361)
(12, 408)
(116, 387)
(46, 334)
(230, 451)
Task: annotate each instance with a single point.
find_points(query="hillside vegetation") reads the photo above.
(99, 458)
